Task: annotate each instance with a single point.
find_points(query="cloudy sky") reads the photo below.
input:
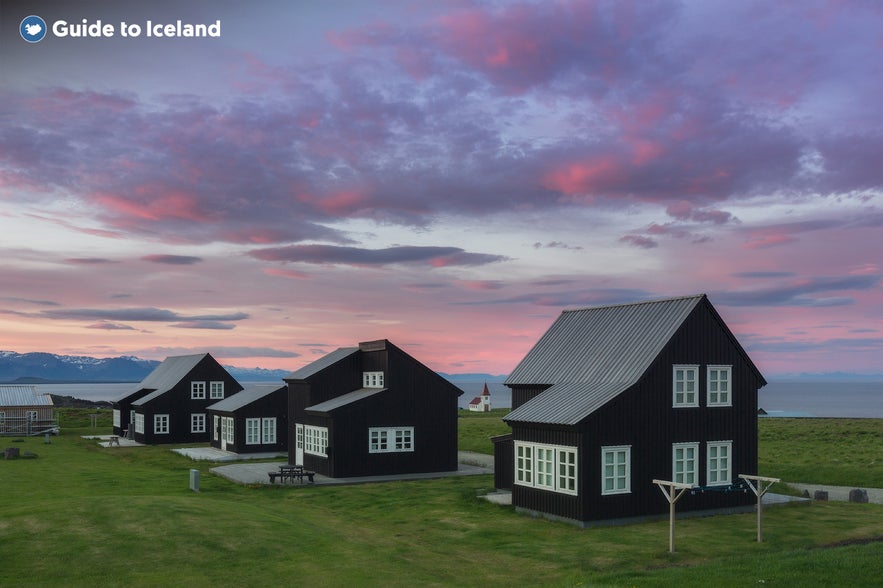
(446, 175)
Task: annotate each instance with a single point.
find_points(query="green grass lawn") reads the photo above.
(82, 515)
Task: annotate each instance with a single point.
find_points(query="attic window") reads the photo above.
(372, 379)
(684, 386)
(197, 390)
(719, 385)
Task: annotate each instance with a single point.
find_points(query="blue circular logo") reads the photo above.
(32, 29)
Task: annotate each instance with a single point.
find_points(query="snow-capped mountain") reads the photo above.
(73, 368)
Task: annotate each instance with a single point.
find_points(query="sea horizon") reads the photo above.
(822, 399)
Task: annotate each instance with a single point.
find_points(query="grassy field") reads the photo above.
(82, 515)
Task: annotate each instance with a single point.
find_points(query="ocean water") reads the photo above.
(802, 399)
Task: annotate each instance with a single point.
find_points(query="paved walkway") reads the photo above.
(839, 493)
(256, 473)
(215, 454)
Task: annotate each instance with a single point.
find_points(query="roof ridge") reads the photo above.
(638, 303)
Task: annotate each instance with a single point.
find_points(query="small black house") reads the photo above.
(169, 405)
(371, 410)
(251, 421)
(611, 398)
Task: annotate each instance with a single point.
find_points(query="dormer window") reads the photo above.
(372, 379)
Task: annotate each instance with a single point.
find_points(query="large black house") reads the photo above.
(169, 405)
(371, 410)
(611, 398)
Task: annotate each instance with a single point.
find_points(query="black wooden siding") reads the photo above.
(271, 406)
(643, 418)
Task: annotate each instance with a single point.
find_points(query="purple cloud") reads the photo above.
(332, 254)
(172, 259)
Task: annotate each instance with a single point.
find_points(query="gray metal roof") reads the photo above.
(244, 397)
(22, 395)
(589, 356)
(321, 363)
(343, 400)
(164, 376)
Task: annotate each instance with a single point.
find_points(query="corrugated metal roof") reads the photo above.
(343, 400)
(22, 395)
(597, 353)
(164, 376)
(244, 397)
(321, 363)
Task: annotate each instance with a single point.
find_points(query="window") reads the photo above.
(268, 426)
(116, 418)
(2, 416)
(390, 439)
(197, 390)
(719, 385)
(545, 459)
(567, 470)
(316, 440)
(616, 469)
(215, 428)
(548, 467)
(31, 415)
(228, 430)
(216, 391)
(684, 388)
(684, 462)
(719, 463)
(524, 464)
(139, 423)
(161, 424)
(197, 423)
(372, 379)
(252, 431)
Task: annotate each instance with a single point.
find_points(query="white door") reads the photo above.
(299, 444)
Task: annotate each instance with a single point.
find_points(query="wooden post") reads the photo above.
(762, 485)
(668, 489)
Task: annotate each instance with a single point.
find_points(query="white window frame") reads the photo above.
(722, 474)
(687, 475)
(268, 430)
(316, 440)
(685, 384)
(139, 423)
(539, 465)
(719, 390)
(228, 429)
(215, 421)
(160, 424)
(372, 379)
(197, 422)
(197, 390)
(253, 431)
(616, 468)
(31, 415)
(116, 418)
(390, 439)
(216, 390)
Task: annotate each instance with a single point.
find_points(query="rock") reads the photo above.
(820, 495)
(12, 452)
(858, 495)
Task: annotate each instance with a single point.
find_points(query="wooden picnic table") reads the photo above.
(290, 472)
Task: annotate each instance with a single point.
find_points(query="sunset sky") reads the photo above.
(446, 175)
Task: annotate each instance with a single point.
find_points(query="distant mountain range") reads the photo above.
(48, 367)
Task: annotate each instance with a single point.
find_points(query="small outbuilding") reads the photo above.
(25, 412)
(251, 421)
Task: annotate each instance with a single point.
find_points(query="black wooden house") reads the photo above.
(169, 405)
(611, 398)
(371, 410)
(251, 421)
